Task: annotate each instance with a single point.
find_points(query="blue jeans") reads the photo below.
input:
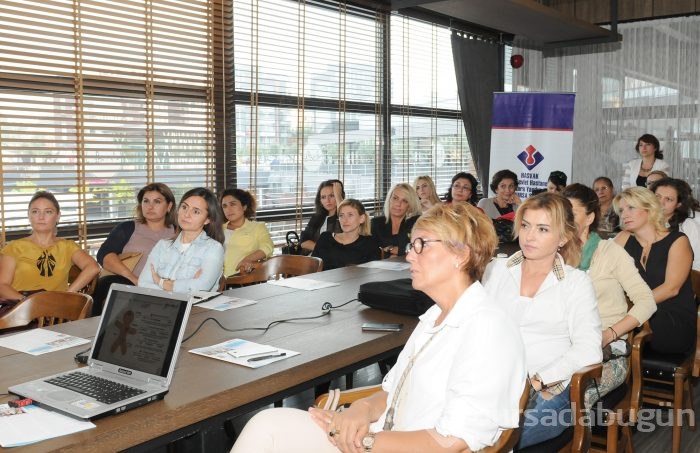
(545, 419)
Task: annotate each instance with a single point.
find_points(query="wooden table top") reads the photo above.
(203, 388)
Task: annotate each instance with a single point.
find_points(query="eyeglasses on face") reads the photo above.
(460, 188)
(418, 243)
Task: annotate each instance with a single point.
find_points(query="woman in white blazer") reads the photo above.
(651, 159)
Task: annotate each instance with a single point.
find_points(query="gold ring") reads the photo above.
(334, 432)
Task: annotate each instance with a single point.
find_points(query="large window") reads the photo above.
(96, 99)
(316, 98)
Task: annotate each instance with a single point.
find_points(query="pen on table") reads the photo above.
(265, 357)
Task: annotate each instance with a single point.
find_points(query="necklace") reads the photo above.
(390, 414)
(646, 248)
(647, 170)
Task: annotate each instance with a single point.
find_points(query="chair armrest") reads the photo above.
(579, 383)
(347, 396)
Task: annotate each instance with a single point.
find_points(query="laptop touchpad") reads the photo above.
(63, 395)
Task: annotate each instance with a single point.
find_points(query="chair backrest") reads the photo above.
(695, 279)
(276, 267)
(509, 437)
(48, 308)
(90, 287)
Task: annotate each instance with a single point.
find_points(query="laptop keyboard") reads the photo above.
(103, 390)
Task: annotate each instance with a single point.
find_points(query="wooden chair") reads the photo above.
(576, 438)
(505, 442)
(48, 308)
(276, 267)
(666, 379)
(90, 287)
(618, 409)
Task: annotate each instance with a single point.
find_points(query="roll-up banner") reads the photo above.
(532, 135)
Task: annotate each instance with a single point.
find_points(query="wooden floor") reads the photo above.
(647, 439)
(658, 438)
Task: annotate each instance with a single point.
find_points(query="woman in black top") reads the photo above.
(663, 259)
(329, 194)
(392, 231)
(354, 245)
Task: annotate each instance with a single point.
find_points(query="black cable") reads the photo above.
(81, 357)
(327, 307)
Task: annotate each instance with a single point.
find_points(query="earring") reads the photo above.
(456, 265)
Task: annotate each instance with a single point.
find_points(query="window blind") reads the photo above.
(97, 98)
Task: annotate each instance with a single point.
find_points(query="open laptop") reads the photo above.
(132, 358)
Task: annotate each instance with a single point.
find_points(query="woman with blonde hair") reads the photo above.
(613, 274)
(555, 306)
(427, 194)
(354, 245)
(392, 231)
(664, 260)
(456, 384)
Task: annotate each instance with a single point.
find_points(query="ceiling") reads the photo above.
(530, 24)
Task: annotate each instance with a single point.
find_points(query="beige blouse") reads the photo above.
(613, 274)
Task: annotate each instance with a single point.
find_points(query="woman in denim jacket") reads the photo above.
(194, 259)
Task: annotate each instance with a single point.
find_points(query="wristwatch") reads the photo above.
(368, 442)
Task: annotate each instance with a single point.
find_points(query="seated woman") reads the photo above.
(556, 182)
(651, 158)
(246, 241)
(325, 218)
(609, 223)
(613, 274)
(427, 194)
(504, 183)
(654, 176)
(392, 231)
(664, 259)
(354, 245)
(677, 205)
(193, 260)
(155, 220)
(457, 382)
(555, 306)
(42, 260)
(462, 189)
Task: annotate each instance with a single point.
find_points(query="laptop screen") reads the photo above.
(139, 331)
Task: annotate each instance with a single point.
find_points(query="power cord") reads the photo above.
(327, 307)
(81, 357)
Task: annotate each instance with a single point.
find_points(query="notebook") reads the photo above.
(132, 360)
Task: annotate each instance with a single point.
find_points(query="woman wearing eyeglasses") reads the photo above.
(462, 189)
(555, 306)
(456, 384)
(194, 258)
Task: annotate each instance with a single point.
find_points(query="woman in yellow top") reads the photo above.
(247, 241)
(42, 260)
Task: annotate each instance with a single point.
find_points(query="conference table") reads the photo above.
(205, 392)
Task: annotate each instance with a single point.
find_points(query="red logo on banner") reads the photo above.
(530, 157)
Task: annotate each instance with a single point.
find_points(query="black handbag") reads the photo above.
(293, 246)
(397, 296)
